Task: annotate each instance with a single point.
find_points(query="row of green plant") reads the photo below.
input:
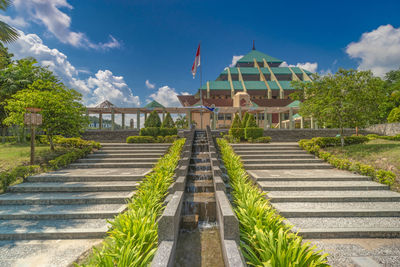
(316, 145)
(265, 239)
(152, 139)
(375, 136)
(153, 126)
(76, 148)
(263, 139)
(246, 129)
(132, 239)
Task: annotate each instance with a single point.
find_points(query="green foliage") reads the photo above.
(251, 122)
(394, 115)
(245, 118)
(140, 139)
(348, 98)
(132, 238)
(169, 138)
(77, 143)
(253, 132)
(375, 136)
(150, 131)
(237, 123)
(153, 120)
(7, 33)
(168, 122)
(69, 157)
(263, 139)
(20, 172)
(168, 131)
(265, 239)
(237, 133)
(314, 146)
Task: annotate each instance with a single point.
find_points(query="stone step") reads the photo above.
(345, 222)
(133, 152)
(60, 212)
(115, 159)
(356, 232)
(321, 186)
(144, 148)
(112, 165)
(127, 155)
(285, 156)
(270, 152)
(142, 145)
(286, 166)
(83, 178)
(328, 207)
(266, 148)
(74, 187)
(65, 198)
(293, 144)
(200, 186)
(286, 161)
(339, 178)
(53, 229)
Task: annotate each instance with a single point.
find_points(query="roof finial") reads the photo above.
(254, 45)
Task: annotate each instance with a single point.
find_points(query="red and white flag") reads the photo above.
(196, 62)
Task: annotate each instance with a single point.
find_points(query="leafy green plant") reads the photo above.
(237, 133)
(140, 139)
(237, 123)
(132, 238)
(168, 122)
(150, 131)
(245, 118)
(251, 122)
(394, 115)
(20, 172)
(168, 131)
(265, 239)
(263, 139)
(253, 132)
(153, 120)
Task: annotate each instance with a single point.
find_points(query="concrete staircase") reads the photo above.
(75, 203)
(321, 202)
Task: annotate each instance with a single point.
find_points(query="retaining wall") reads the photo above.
(117, 136)
(384, 129)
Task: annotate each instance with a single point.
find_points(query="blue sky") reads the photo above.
(109, 49)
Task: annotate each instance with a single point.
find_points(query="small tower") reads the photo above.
(254, 45)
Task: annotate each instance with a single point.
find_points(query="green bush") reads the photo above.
(335, 141)
(237, 133)
(168, 131)
(263, 139)
(168, 122)
(150, 131)
(394, 115)
(265, 239)
(385, 177)
(237, 123)
(253, 132)
(170, 138)
(245, 118)
(21, 172)
(132, 238)
(153, 120)
(76, 142)
(140, 139)
(251, 122)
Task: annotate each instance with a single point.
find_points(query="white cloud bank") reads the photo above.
(95, 89)
(57, 22)
(312, 67)
(378, 50)
(150, 85)
(166, 96)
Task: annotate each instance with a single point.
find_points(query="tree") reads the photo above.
(251, 121)
(153, 120)
(168, 122)
(394, 115)
(236, 122)
(62, 111)
(244, 119)
(5, 56)
(348, 98)
(7, 33)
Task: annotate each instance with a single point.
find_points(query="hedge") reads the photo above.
(168, 131)
(237, 133)
(314, 146)
(265, 239)
(153, 120)
(335, 141)
(21, 172)
(375, 136)
(132, 238)
(151, 139)
(150, 131)
(253, 132)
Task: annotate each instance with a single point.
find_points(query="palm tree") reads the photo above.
(7, 33)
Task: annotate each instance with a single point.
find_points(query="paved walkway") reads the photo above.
(54, 217)
(338, 210)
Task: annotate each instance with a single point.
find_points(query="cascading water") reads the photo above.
(199, 241)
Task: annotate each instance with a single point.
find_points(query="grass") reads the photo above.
(383, 154)
(13, 155)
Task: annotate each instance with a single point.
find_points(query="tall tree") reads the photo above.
(168, 122)
(62, 110)
(7, 33)
(349, 98)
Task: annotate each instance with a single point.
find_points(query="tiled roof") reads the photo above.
(254, 54)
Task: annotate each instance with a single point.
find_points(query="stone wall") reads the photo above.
(108, 136)
(384, 129)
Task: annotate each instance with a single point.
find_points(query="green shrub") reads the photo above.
(237, 123)
(372, 136)
(140, 139)
(69, 157)
(153, 120)
(170, 138)
(168, 131)
(132, 238)
(265, 239)
(245, 118)
(237, 133)
(21, 172)
(335, 141)
(394, 115)
(385, 177)
(263, 139)
(253, 132)
(150, 131)
(168, 122)
(251, 122)
(76, 142)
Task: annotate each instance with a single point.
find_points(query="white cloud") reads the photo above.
(166, 96)
(150, 85)
(235, 60)
(15, 22)
(312, 67)
(103, 86)
(48, 13)
(378, 50)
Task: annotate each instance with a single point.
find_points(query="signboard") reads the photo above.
(32, 119)
(33, 110)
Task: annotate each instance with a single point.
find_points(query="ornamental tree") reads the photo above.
(168, 122)
(62, 110)
(244, 120)
(236, 122)
(153, 120)
(251, 121)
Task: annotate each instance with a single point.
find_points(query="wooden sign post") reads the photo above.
(33, 119)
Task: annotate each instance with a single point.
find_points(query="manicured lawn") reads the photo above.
(12, 155)
(379, 153)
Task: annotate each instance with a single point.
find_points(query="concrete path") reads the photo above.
(324, 203)
(54, 217)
